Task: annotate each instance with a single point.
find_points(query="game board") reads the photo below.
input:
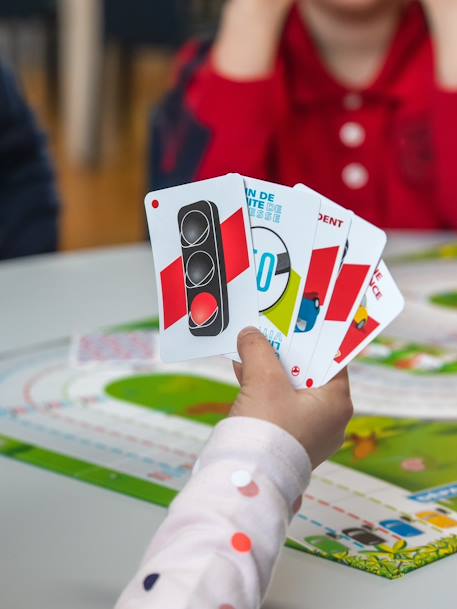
(386, 503)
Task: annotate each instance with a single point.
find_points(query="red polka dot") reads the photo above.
(250, 490)
(226, 607)
(241, 542)
(309, 383)
(297, 504)
(155, 204)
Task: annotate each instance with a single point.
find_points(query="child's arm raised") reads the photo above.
(443, 22)
(221, 539)
(442, 17)
(233, 96)
(249, 36)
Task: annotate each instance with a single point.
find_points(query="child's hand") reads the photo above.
(249, 36)
(317, 418)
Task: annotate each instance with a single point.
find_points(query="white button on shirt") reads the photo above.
(355, 176)
(352, 134)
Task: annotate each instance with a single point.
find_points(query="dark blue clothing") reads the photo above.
(29, 204)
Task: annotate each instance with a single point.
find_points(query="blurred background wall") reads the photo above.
(93, 70)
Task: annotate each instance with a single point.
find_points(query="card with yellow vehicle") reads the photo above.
(381, 304)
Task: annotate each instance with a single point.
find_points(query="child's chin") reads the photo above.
(357, 6)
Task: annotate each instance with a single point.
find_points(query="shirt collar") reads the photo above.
(310, 82)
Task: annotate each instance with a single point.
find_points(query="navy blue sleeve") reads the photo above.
(29, 204)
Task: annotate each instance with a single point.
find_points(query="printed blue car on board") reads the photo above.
(400, 528)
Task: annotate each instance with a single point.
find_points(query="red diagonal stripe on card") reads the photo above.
(347, 289)
(235, 245)
(173, 293)
(354, 337)
(320, 271)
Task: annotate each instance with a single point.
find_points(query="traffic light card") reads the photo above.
(283, 224)
(381, 304)
(204, 266)
(365, 246)
(328, 249)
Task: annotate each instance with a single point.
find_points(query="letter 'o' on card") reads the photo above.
(283, 222)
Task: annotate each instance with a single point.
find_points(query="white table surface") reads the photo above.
(65, 544)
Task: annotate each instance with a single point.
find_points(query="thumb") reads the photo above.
(259, 360)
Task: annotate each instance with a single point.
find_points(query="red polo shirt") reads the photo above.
(388, 152)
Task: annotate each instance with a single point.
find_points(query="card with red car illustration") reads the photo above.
(366, 243)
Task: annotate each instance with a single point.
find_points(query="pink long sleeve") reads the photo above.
(218, 545)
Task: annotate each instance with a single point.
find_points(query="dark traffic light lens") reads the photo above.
(203, 260)
(194, 229)
(199, 270)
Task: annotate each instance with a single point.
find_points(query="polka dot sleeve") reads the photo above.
(218, 545)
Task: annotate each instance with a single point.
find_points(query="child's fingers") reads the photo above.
(259, 361)
(340, 382)
(238, 370)
(337, 394)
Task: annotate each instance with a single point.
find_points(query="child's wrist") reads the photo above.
(249, 37)
(261, 445)
(442, 17)
(260, 8)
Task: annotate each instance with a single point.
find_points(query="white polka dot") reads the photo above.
(241, 478)
(352, 134)
(352, 101)
(355, 176)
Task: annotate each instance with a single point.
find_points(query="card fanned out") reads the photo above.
(235, 251)
(283, 224)
(364, 250)
(329, 247)
(204, 266)
(382, 303)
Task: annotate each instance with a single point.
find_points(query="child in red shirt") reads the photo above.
(355, 98)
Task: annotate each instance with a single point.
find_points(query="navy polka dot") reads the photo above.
(150, 581)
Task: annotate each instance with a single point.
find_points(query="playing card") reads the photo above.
(328, 249)
(283, 223)
(117, 348)
(204, 266)
(365, 246)
(381, 304)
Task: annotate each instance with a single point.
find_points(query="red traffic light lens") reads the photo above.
(204, 306)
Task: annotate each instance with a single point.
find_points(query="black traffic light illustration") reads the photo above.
(204, 268)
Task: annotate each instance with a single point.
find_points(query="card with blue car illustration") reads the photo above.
(366, 243)
(329, 247)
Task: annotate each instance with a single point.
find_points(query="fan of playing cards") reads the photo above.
(234, 251)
